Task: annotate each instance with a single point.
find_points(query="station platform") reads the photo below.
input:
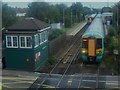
(75, 29)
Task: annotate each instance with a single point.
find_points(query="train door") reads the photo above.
(91, 47)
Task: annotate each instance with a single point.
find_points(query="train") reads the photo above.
(92, 41)
(90, 18)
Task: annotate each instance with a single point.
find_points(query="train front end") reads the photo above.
(92, 49)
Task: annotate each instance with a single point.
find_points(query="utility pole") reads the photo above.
(108, 3)
(76, 15)
(63, 17)
(118, 60)
(71, 17)
(90, 7)
(117, 16)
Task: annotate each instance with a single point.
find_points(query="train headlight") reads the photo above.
(99, 52)
(83, 51)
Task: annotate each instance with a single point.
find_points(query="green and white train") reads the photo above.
(93, 41)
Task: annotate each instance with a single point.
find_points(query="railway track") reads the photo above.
(69, 58)
(87, 69)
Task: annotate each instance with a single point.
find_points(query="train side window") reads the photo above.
(84, 43)
(99, 43)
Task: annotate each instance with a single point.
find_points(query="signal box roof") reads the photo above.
(28, 24)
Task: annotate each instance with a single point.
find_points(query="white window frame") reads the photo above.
(36, 37)
(11, 36)
(25, 41)
(43, 35)
(46, 36)
(40, 38)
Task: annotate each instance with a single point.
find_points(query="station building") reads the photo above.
(107, 18)
(26, 45)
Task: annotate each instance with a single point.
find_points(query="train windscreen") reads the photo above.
(84, 43)
(99, 43)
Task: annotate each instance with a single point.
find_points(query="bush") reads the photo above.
(52, 60)
(109, 61)
(111, 32)
(55, 33)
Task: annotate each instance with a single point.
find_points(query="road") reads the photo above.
(73, 81)
(17, 82)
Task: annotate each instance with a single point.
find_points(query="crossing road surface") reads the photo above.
(73, 81)
(16, 82)
(68, 81)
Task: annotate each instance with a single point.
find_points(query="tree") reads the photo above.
(57, 13)
(62, 9)
(87, 11)
(43, 11)
(38, 10)
(8, 15)
(54, 14)
(106, 9)
(77, 11)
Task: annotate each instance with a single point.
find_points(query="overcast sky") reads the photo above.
(88, 3)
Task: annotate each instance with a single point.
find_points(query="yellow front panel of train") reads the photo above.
(91, 48)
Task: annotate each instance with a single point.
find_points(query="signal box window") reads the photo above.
(28, 42)
(46, 35)
(11, 41)
(25, 42)
(36, 40)
(99, 43)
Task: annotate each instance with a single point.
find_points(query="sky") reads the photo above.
(88, 3)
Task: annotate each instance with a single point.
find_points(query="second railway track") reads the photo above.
(69, 57)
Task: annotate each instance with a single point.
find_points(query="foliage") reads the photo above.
(109, 61)
(55, 33)
(52, 60)
(106, 9)
(8, 15)
(112, 32)
(112, 40)
(58, 13)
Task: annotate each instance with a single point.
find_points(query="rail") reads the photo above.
(76, 39)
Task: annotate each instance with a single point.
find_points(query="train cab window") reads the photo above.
(99, 43)
(84, 43)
